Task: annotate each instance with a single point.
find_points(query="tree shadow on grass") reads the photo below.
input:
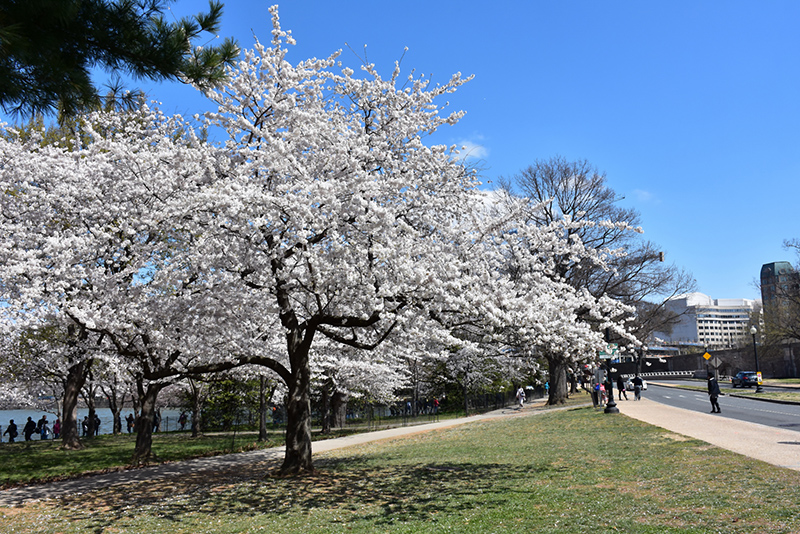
(350, 491)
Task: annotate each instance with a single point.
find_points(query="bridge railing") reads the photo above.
(664, 374)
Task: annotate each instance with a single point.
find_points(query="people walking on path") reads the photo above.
(621, 388)
(11, 431)
(42, 427)
(520, 397)
(182, 420)
(29, 429)
(637, 387)
(713, 393)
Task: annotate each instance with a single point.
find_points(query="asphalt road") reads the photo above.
(785, 416)
(723, 385)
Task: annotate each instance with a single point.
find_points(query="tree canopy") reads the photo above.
(576, 194)
(321, 239)
(48, 49)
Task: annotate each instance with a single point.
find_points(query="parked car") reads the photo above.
(629, 384)
(744, 379)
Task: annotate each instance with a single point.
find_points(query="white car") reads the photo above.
(629, 384)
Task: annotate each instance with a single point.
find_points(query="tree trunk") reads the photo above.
(196, 429)
(298, 411)
(116, 410)
(144, 425)
(196, 405)
(326, 407)
(76, 378)
(338, 409)
(262, 410)
(558, 379)
(115, 404)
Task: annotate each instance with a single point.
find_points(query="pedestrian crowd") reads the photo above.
(40, 428)
(601, 387)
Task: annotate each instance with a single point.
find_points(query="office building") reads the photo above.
(711, 323)
(778, 281)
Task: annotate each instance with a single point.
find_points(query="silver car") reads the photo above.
(629, 384)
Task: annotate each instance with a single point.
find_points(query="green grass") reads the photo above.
(789, 396)
(578, 470)
(42, 461)
(782, 382)
(25, 462)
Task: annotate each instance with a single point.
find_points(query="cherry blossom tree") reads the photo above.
(529, 308)
(332, 207)
(631, 270)
(322, 221)
(93, 243)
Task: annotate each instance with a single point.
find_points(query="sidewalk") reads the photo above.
(776, 446)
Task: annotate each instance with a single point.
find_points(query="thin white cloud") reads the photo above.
(473, 150)
(643, 196)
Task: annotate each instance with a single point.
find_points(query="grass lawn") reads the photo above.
(43, 461)
(578, 470)
(782, 382)
(23, 462)
(790, 396)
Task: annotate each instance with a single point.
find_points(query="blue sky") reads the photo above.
(692, 108)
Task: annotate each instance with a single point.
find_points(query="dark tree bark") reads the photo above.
(116, 402)
(266, 391)
(558, 379)
(297, 459)
(144, 425)
(196, 429)
(116, 411)
(76, 378)
(338, 409)
(88, 396)
(327, 415)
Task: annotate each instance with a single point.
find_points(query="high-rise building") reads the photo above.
(712, 323)
(778, 280)
(780, 293)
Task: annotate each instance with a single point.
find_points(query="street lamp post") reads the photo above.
(753, 332)
(611, 406)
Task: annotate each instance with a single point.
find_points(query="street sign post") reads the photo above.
(611, 351)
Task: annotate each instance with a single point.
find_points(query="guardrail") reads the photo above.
(663, 374)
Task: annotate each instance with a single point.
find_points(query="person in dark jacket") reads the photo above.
(621, 387)
(11, 431)
(637, 387)
(29, 429)
(713, 393)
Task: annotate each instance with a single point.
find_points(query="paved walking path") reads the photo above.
(776, 446)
